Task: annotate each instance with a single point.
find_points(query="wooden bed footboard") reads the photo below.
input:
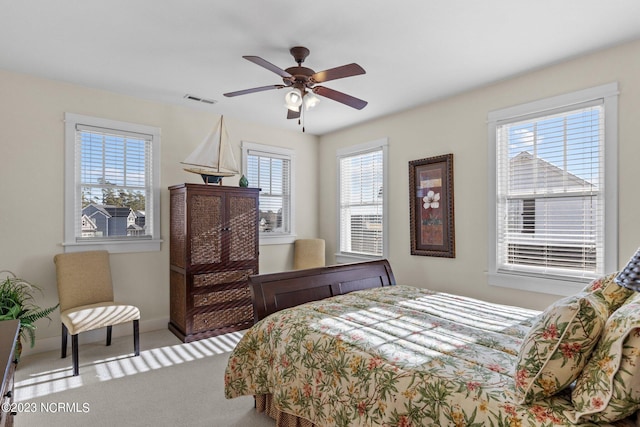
(276, 291)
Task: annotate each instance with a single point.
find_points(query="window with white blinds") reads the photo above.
(271, 169)
(112, 182)
(362, 212)
(552, 191)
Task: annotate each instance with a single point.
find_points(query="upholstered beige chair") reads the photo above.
(308, 253)
(85, 291)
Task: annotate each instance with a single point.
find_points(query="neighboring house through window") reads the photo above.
(112, 178)
(106, 220)
(272, 170)
(362, 207)
(553, 213)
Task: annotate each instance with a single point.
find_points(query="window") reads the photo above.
(555, 197)
(112, 178)
(272, 170)
(362, 212)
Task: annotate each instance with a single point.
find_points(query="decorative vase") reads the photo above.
(244, 182)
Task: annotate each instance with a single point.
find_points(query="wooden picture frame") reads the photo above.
(431, 206)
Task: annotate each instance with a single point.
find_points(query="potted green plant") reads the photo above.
(17, 302)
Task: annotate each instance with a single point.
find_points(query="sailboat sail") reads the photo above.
(214, 156)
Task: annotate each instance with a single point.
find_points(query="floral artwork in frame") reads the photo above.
(431, 206)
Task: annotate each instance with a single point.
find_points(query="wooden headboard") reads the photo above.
(276, 291)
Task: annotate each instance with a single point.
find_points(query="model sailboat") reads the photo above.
(213, 159)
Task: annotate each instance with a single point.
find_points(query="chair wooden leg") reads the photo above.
(65, 332)
(136, 337)
(109, 335)
(74, 354)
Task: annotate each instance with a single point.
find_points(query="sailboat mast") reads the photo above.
(220, 141)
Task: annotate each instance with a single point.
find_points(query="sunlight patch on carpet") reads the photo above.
(52, 381)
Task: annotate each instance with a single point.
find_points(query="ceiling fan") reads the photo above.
(303, 80)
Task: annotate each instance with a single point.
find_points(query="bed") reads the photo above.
(346, 346)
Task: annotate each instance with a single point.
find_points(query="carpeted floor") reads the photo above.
(169, 384)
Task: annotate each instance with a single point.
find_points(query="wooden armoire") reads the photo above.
(213, 250)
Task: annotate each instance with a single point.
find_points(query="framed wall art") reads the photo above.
(431, 206)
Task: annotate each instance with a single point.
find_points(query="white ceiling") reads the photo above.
(414, 51)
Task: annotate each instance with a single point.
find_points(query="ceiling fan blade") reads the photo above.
(337, 73)
(349, 100)
(268, 65)
(293, 114)
(253, 90)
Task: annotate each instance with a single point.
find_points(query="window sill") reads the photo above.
(114, 247)
(277, 239)
(537, 284)
(344, 258)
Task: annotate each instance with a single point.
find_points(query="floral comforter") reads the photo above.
(392, 356)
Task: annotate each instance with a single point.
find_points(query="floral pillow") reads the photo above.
(609, 291)
(558, 345)
(609, 387)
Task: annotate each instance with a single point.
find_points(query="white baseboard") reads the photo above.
(53, 343)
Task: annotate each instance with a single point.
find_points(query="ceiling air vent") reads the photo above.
(200, 99)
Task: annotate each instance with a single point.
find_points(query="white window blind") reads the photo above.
(271, 172)
(111, 185)
(361, 178)
(114, 178)
(550, 192)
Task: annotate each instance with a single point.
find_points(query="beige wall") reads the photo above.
(31, 186)
(458, 125)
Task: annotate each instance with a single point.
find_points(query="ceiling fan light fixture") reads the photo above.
(293, 99)
(310, 100)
